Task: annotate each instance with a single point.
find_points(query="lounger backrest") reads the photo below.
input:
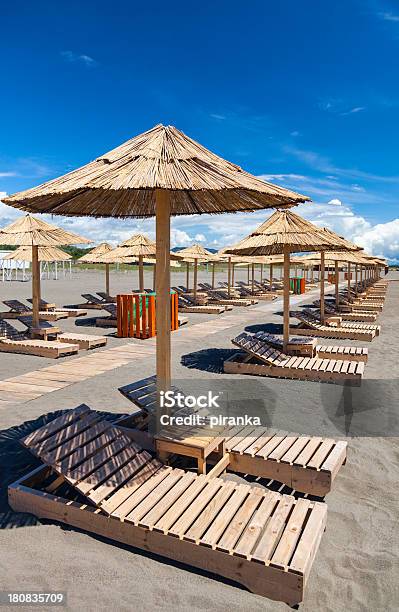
(111, 308)
(28, 321)
(16, 305)
(42, 302)
(92, 299)
(10, 332)
(103, 295)
(260, 349)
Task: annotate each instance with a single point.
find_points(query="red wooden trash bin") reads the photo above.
(136, 314)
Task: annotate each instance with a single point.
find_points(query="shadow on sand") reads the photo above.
(207, 360)
(270, 328)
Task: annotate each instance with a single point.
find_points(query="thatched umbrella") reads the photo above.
(162, 172)
(34, 233)
(338, 257)
(24, 253)
(149, 260)
(285, 232)
(91, 257)
(53, 254)
(137, 246)
(194, 253)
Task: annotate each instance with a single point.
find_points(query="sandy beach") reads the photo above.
(356, 566)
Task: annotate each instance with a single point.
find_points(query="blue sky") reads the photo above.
(305, 94)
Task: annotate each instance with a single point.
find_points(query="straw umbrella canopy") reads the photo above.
(44, 254)
(348, 257)
(161, 172)
(195, 253)
(137, 246)
(286, 232)
(91, 257)
(32, 232)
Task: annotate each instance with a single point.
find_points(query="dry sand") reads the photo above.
(356, 566)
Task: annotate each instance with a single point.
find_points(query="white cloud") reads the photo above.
(216, 116)
(335, 202)
(389, 16)
(356, 109)
(220, 230)
(7, 174)
(70, 56)
(295, 133)
(381, 240)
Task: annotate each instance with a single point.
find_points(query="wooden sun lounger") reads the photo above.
(187, 305)
(93, 302)
(310, 326)
(236, 293)
(336, 321)
(18, 308)
(217, 296)
(104, 296)
(262, 539)
(70, 312)
(13, 341)
(296, 345)
(357, 315)
(347, 306)
(260, 294)
(262, 360)
(143, 395)
(84, 341)
(305, 463)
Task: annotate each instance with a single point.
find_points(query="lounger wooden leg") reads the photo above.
(163, 456)
(201, 465)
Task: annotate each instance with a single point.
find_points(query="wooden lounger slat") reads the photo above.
(66, 448)
(103, 475)
(181, 505)
(238, 524)
(156, 495)
(271, 535)
(114, 503)
(61, 436)
(55, 425)
(116, 476)
(222, 520)
(160, 509)
(291, 534)
(86, 459)
(256, 525)
(195, 508)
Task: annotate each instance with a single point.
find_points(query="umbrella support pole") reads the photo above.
(349, 279)
(107, 279)
(141, 274)
(253, 279)
(336, 283)
(229, 277)
(286, 320)
(322, 275)
(195, 280)
(213, 275)
(35, 286)
(163, 340)
(187, 276)
(232, 274)
(271, 277)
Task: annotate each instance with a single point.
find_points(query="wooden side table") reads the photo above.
(197, 442)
